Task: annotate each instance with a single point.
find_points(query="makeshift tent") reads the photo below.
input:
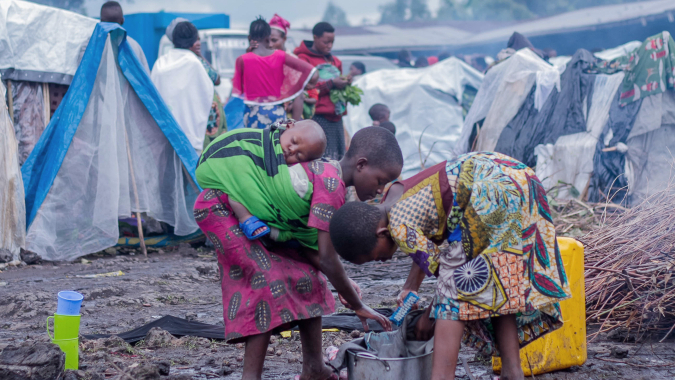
(426, 107)
(609, 127)
(12, 209)
(111, 148)
(40, 47)
(636, 149)
(500, 96)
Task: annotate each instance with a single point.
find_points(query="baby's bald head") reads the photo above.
(303, 141)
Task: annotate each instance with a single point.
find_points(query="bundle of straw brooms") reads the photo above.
(629, 270)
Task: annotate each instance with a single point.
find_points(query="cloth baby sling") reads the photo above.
(248, 165)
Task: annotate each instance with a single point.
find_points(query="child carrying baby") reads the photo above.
(501, 279)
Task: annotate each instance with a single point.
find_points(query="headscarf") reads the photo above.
(185, 34)
(172, 26)
(279, 23)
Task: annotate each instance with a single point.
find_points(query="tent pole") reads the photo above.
(139, 223)
(46, 102)
(10, 100)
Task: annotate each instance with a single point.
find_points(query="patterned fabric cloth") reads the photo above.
(267, 289)
(507, 260)
(262, 117)
(335, 134)
(262, 290)
(650, 69)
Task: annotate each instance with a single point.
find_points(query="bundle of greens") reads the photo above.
(350, 94)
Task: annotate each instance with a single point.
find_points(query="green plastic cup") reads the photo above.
(65, 326)
(71, 348)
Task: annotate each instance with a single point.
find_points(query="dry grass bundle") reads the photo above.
(629, 270)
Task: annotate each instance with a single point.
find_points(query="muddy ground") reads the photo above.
(183, 282)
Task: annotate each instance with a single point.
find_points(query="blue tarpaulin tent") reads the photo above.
(148, 28)
(112, 148)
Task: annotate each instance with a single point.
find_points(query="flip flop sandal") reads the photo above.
(250, 225)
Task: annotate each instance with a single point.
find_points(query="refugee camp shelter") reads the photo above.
(427, 106)
(601, 130)
(12, 209)
(40, 47)
(112, 148)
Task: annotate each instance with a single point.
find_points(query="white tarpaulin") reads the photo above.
(12, 207)
(501, 94)
(40, 43)
(425, 106)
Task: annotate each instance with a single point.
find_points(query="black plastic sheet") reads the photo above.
(562, 114)
(182, 327)
(608, 181)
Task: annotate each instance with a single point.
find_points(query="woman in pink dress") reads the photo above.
(266, 78)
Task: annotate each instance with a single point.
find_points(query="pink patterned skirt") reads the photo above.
(262, 290)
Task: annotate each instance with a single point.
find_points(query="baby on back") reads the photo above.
(302, 141)
(253, 167)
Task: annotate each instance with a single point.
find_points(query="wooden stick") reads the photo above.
(10, 100)
(46, 102)
(138, 203)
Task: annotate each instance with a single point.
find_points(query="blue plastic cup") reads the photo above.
(69, 303)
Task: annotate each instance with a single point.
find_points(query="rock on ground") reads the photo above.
(158, 338)
(32, 361)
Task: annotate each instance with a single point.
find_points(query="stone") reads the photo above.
(225, 370)
(5, 255)
(31, 361)
(355, 334)
(145, 371)
(30, 257)
(619, 352)
(157, 338)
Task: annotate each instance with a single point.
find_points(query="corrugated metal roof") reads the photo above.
(432, 34)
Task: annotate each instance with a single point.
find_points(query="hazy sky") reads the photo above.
(301, 13)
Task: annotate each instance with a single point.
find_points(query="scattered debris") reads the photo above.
(109, 274)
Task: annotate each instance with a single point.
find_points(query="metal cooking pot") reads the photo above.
(366, 366)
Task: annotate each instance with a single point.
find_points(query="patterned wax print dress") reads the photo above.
(503, 256)
(270, 289)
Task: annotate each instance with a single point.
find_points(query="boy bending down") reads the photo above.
(499, 283)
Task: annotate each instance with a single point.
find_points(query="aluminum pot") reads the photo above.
(366, 366)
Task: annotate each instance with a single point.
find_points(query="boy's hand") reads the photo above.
(403, 295)
(358, 292)
(365, 313)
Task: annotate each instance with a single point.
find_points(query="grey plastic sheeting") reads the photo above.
(562, 114)
(502, 93)
(650, 158)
